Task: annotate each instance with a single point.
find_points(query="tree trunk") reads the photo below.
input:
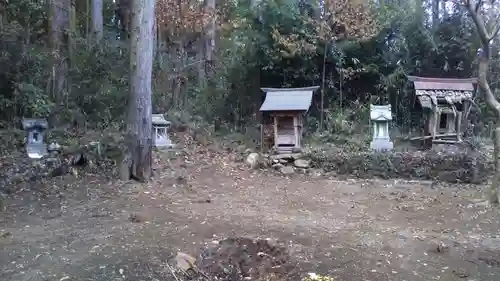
(139, 155)
(97, 19)
(485, 37)
(180, 64)
(88, 8)
(59, 25)
(201, 56)
(435, 13)
(72, 34)
(2, 15)
(123, 11)
(494, 105)
(201, 65)
(210, 36)
(444, 10)
(495, 184)
(155, 40)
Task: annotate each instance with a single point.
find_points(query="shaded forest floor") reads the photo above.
(94, 229)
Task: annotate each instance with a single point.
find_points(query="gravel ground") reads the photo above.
(93, 229)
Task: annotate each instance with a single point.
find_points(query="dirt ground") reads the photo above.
(94, 229)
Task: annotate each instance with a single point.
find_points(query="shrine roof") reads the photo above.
(288, 99)
(444, 84)
(31, 123)
(158, 119)
(429, 90)
(380, 113)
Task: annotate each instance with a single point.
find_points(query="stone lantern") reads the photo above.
(35, 146)
(380, 116)
(160, 131)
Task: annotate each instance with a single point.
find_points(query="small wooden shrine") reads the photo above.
(284, 107)
(446, 103)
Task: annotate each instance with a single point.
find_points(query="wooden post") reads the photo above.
(430, 122)
(261, 138)
(464, 122)
(301, 122)
(435, 120)
(276, 132)
(296, 131)
(451, 122)
(458, 125)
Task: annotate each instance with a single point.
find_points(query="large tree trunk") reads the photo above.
(97, 19)
(59, 25)
(494, 105)
(139, 158)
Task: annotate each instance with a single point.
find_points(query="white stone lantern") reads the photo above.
(36, 148)
(380, 116)
(160, 131)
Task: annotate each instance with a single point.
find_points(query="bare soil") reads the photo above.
(89, 228)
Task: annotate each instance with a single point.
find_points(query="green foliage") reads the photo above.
(279, 44)
(33, 100)
(98, 77)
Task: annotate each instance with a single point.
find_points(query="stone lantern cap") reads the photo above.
(30, 124)
(380, 112)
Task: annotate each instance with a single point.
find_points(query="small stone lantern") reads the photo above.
(160, 131)
(380, 116)
(35, 146)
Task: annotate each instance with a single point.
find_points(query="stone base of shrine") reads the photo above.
(164, 145)
(381, 145)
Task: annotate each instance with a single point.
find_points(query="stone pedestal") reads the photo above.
(36, 150)
(381, 144)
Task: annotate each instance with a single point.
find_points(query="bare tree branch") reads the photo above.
(478, 5)
(459, 3)
(478, 20)
(495, 30)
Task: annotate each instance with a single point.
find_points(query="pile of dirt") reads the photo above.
(472, 168)
(240, 258)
